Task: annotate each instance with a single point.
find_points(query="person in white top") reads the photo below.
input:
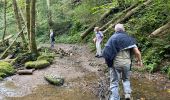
(52, 38)
(98, 39)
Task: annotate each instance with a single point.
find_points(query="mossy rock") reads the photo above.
(54, 80)
(37, 64)
(22, 58)
(49, 58)
(6, 69)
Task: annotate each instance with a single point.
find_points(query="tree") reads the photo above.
(33, 46)
(19, 21)
(49, 15)
(27, 7)
(5, 3)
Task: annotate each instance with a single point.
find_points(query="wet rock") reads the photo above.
(54, 80)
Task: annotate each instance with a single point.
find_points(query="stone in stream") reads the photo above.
(54, 80)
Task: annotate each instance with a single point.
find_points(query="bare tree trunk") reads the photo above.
(49, 15)
(127, 15)
(160, 30)
(83, 35)
(6, 39)
(118, 17)
(5, 3)
(4, 53)
(33, 46)
(18, 21)
(105, 15)
(27, 7)
(22, 16)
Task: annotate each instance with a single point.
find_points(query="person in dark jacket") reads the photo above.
(52, 38)
(117, 54)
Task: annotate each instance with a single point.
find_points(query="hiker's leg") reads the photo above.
(98, 48)
(114, 84)
(126, 79)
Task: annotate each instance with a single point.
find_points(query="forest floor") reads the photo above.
(85, 79)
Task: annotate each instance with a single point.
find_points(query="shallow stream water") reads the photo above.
(142, 90)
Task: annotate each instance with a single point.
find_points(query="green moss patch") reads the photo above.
(6, 69)
(54, 80)
(37, 64)
(49, 58)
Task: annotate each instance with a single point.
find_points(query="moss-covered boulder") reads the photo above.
(54, 80)
(39, 64)
(49, 58)
(6, 69)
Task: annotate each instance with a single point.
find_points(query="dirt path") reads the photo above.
(82, 73)
(80, 70)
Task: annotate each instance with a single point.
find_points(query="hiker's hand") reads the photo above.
(94, 40)
(140, 63)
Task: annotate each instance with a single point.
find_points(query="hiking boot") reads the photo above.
(127, 97)
(97, 56)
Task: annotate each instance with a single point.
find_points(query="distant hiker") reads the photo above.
(98, 39)
(52, 38)
(117, 54)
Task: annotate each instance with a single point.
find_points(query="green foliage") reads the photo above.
(6, 69)
(166, 69)
(75, 38)
(39, 64)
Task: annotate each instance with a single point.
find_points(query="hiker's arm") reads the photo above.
(138, 56)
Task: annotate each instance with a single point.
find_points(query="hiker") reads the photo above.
(117, 54)
(52, 38)
(98, 39)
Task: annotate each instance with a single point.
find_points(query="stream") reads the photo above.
(82, 73)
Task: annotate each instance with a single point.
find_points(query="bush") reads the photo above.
(6, 69)
(37, 64)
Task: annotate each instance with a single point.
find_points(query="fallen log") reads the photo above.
(25, 71)
(90, 29)
(6, 38)
(160, 30)
(127, 15)
(123, 12)
(4, 53)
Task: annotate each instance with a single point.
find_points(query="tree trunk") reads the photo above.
(49, 15)
(5, 3)
(22, 16)
(27, 6)
(4, 53)
(105, 15)
(161, 29)
(18, 21)
(6, 39)
(127, 15)
(33, 46)
(90, 29)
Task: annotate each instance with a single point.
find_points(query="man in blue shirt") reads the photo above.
(117, 54)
